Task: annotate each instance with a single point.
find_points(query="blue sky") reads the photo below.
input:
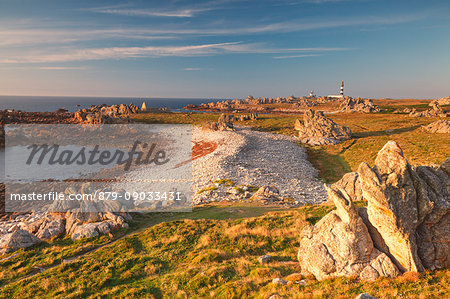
(225, 48)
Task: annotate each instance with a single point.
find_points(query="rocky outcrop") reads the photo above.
(218, 126)
(351, 184)
(26, 230)
(244, 117)
(440, 126)
(17, 239)
(405, 227)
(103, 114)
(254, 104)
(434, 111)
(52, 226)
(267, 194)
(87, 225)
(444, 101)
(226, 118)
(225, 123)
(358, 105)
(340, 245)
(317, 129)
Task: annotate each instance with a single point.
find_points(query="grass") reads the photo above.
(209, 253)
(212, 188)
(225, 182)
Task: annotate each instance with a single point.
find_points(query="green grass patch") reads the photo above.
(225, 182)
(212, 188)
(209, 253)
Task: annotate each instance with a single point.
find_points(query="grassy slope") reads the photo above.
(211, 257)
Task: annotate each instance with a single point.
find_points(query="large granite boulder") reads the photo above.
(16, 240)
(393, 204)
(267, 193)
(435, 110)
(52, 226)
(316, 129)
(217, 126)
(87, 225)
(405, 227)
(444, 101)
(226, 118)
(440, 126)
(340, 245)
(358, 105)
(351, 184)
(225, 123)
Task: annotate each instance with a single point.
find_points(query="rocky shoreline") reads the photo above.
(290, 105)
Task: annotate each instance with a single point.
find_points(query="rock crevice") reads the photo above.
(405, 226)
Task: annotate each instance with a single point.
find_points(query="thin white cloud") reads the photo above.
(296, 56)
(128, 52)
(86, 54)
(197, 69)
(23, 37)
(182, 13)
(60, 68)
(36, 35)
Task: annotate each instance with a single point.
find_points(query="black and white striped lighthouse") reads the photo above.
(342, 88)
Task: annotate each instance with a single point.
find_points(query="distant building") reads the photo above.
(341, 93)
(311, 94)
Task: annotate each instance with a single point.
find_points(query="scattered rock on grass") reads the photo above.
(264, 259)
(440, 126)
(267, 193)
(279, 281)
(17, 239)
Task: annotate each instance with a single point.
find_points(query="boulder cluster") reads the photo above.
(225, 122)
(23, 231)
(104, 114)
(435, 110)
(405, 226)
(236, 104)
(244, 117)
(317, 129)
(358, 105)
(440, 126)
(78, 219)
(444, 101)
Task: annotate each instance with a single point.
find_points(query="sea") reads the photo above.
(72, 104)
